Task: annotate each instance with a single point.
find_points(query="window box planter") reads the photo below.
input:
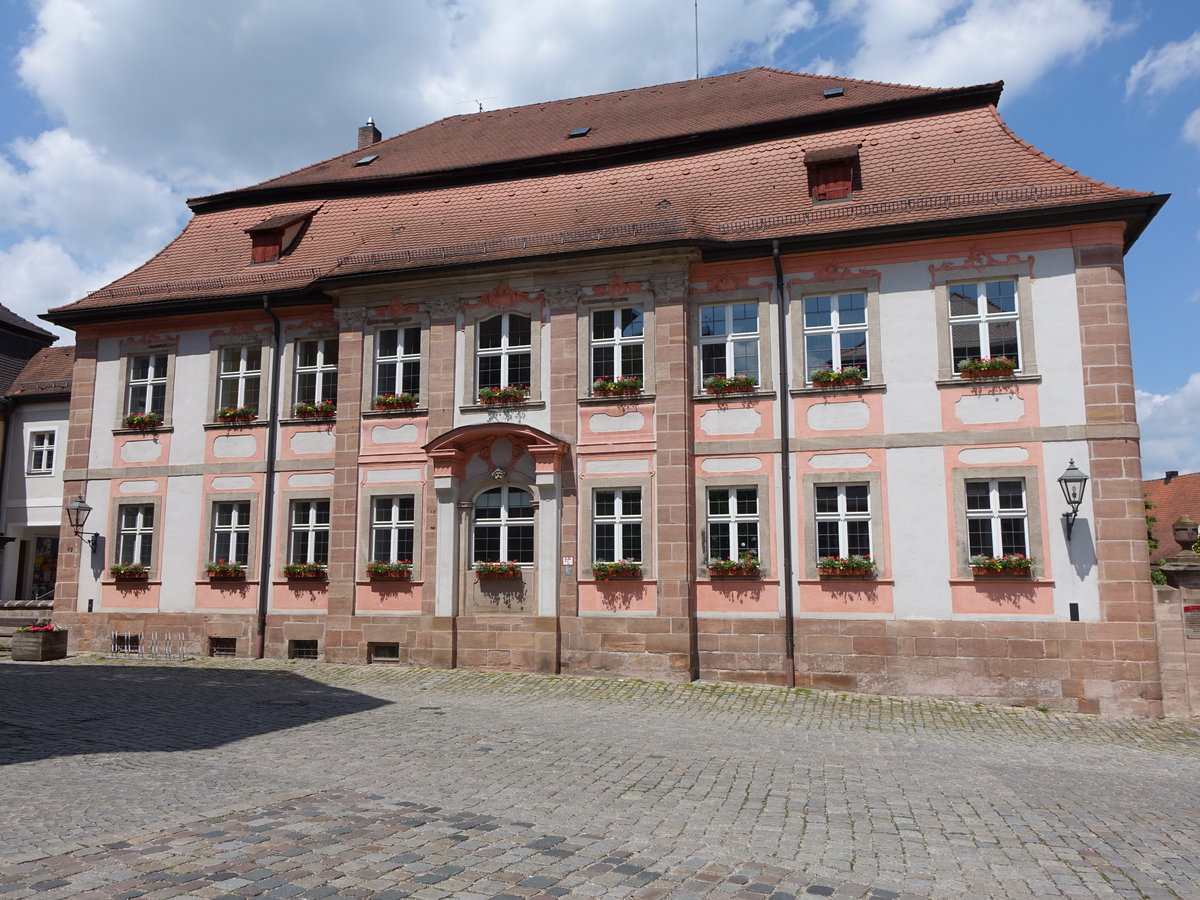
(305, 572)
(733, 384)
(327, 409)
(1015, 565)
(38, 643)
(847, 377)
(853, 566)
(142, 421)
(607, 570)
(514, 393)
(129, 572)
(996, 367)
(390, 571)
(225, 571)
(745, 566)
(500, 569)
(618, 387)
(395, 401)
(235, 414)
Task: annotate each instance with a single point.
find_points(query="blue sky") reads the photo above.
(112, 112)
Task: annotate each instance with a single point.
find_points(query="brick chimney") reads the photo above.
(368, 134)
(1170, 476)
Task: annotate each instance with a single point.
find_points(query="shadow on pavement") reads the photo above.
(55, 711)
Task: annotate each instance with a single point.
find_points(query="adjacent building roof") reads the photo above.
(717, 163)
(1173, 496)
(10, 321)
(47, 373)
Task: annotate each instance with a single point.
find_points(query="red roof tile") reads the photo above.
(49, 372)
(1172, 499)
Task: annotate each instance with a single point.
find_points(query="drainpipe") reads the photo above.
(785, 471)
(268, 514)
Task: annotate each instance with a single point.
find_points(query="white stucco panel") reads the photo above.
(730, 421)
(732, 464)
(311, 479)
(314, 442)
(630, 421)
(234, 446)
(982, 409)
(232, 483)
(401, 434)
(383, 476)
(141, 451)
(138, 487)
(618, 467)
(840, 460)
(977, 455)
(838, 416)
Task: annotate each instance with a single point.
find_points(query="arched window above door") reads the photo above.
(503, 526)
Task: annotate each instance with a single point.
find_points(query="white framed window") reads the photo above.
(308, 540)
(843, 519)
(617, 524)
(835, 332)
(617, 343)
(503, 526)
(732, 522)
(729, 340)
(239, 376)
(393, 528)
(135, 533)
(231, 532)
(316, 370)
(41, 452)
(398, 361)
(504, 351)
(997, 517)
(984, 321)
(146, 390)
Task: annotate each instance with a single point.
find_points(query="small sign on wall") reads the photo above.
(1191, 621)
(568, 562)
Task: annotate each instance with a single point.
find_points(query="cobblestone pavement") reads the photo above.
(234, 779)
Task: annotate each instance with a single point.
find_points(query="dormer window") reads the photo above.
(833, 173)
(272, 238)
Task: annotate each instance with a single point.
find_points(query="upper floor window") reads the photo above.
(617, 336)
(393, 525)
(503, 527)
(316, 370)
(135, 533)
(843, 519)
(835, 332)
(231, 532)
(732, 522)
(504, 351)
(984, 321)
(997, 518)
(146, 391)
(239, 377)
(729, 340)
(309, 537)
(398, 361)
(617, 518)
(41, 452)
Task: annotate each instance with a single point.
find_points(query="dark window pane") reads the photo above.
(827, 539)
(385, 378)
(489, 371)
(857, 498)
(712, 321)
(519, 331)
(412, 341)
(490, 333)
(718, 502)
(718, 539)
(631, 321)
(606, 503)
(631, 360)
(410, 381)
(978, 495)
(747, 533)
(858, 538)
(825, 498)
(631, 503)
(1012, 494)
(520, 543)
(606, 541)
(602, 363)
(487, 543)
(631, 541)
(747, 502)
(712, 359)
(602, 325)
(1012, 535)
(389, 340)
(518, 368)
(979, 535)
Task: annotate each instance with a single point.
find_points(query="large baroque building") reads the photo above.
(710, 249)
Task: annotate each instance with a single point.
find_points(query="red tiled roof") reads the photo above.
(49, 372)
(10, 320)
(1171, 499)
(931, 168)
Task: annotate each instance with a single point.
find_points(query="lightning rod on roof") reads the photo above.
(696, 31)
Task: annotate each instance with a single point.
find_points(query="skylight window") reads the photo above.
(367, 160)
(579, 132)
(830, 93)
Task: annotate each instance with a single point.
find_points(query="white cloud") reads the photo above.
(1165, 67)
(1191, 128)
(942, 43)
(1170, 429)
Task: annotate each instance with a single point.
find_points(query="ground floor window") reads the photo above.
(503, 526)
(732, 522)
(843, 519)
(135, 537)
(617, 518)
(231, 532)
(393, 526)
(997, 517)
(309, 539)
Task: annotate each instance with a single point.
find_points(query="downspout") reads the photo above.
(268, 515)
(785, 472)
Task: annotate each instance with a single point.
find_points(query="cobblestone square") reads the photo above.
(222, 778)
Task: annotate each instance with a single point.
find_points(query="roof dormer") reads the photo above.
(833, 173)
(273, 237)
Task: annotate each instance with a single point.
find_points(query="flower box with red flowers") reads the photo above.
(401, 570)
(618, 387)
(304, 571)
(142, 421)
(38, 643)
(395, 401)
(326, 409)
(831, 378)
(129, 571)
(852, 566)
(606, 570)
(991, 367)
(745, 566)
(1014, 565)
(497, 569)
(235, 414)
(514, 393)
(730, 384)
(222, 570)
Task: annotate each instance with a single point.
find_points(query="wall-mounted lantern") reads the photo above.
(1072, 483)
(77, 515)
